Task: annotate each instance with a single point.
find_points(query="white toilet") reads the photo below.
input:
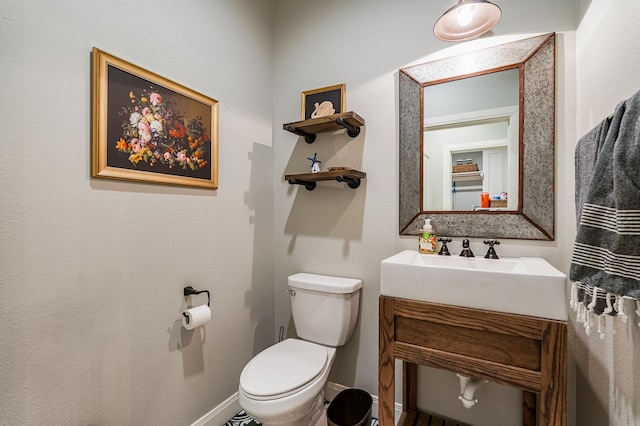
(284, 384)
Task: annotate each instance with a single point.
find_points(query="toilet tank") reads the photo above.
(324, 308)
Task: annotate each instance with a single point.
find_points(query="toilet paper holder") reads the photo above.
(197, 315)
(188, 291)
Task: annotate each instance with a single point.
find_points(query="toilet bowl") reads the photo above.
(284, 384)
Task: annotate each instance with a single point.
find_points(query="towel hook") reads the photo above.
(188, 291)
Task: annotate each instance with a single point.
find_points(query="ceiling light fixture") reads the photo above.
(466, 20)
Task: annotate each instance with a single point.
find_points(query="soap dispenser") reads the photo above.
(427, 242)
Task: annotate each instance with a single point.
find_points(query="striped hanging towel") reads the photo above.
(606, 255)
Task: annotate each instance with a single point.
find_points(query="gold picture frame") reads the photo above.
(146, 128)
(317, 100)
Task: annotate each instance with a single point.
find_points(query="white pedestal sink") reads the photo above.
(523, 285)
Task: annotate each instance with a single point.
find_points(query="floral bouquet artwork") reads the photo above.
(150, 129)
(156, 134)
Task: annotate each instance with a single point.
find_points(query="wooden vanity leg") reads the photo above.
(386, 362)
(552, 407)
(529, 408)
(409, 386)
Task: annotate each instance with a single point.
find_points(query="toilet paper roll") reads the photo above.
(195, 317)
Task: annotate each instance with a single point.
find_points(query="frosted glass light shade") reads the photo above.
(467, 19)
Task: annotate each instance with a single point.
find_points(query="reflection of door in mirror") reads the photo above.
(471, 145)
(467, 180)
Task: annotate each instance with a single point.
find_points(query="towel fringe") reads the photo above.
(594, 299)
(609, 307)
(574, 296)
(584, 300)
(600, 326)
(587, 322)
(620, 309)
(579, 315)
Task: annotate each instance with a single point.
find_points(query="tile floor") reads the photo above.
(243, 419)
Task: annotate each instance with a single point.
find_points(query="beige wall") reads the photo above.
(92, 271)
(338, 231)
(333, 230)
(608, 66)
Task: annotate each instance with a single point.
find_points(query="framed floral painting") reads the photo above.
(147, 128)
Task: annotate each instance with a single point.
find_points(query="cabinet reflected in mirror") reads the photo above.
(471, 143)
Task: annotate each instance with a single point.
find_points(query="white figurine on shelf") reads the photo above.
(315, 163)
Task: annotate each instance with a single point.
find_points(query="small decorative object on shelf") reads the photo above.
(463, 168)
(484, 200)
(325, 101)
(315, 163)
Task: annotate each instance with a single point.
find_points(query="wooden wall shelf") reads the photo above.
(467, 176)
(350, 176)
(309, 128)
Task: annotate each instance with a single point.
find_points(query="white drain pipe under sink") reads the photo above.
(468, 388)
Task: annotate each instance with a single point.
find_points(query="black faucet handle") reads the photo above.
(491, 253)
(444, 251)
(466, 250)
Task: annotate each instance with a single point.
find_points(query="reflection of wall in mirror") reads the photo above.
(487, 91)
(453, 123)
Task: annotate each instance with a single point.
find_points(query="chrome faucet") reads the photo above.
(466, 251)
(491, 253)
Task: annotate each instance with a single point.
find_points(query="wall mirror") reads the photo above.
(482, 121)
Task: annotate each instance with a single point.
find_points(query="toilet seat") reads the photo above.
(283, 369)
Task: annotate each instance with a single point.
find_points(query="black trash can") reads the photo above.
(351, 407)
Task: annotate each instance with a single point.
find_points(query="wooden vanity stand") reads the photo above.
(519, 351)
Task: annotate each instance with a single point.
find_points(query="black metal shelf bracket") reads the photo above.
(308, 137)
(352, 182)
(352, 131)
(309, 185)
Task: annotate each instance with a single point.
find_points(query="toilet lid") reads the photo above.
(283, 368)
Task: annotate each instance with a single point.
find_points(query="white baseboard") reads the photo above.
(230, 407)
(220, 414)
